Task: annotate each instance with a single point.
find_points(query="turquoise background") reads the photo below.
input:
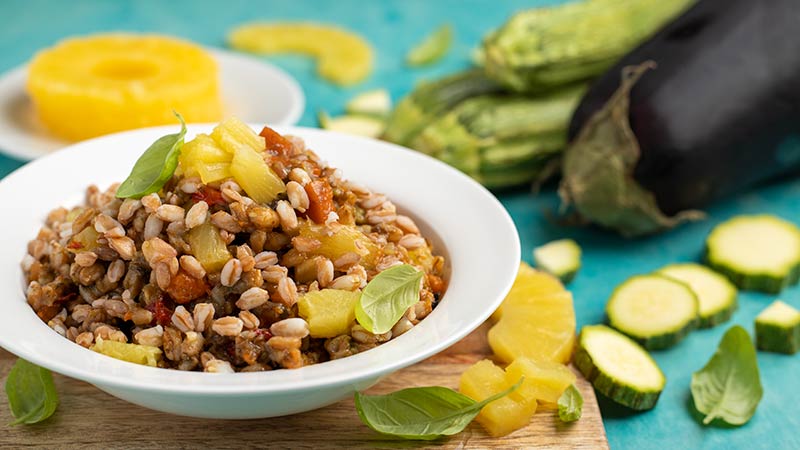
(393, 27)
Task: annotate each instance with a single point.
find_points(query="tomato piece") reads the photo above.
(320, 200)
(209, 195)
(436, 284)
(276, 143)
(184, 288)
(162, 314)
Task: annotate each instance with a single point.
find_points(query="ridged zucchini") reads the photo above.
(778, 329)
(717, 295)
(618, 367)
(655, 310)
(561, 258)
(760, 253)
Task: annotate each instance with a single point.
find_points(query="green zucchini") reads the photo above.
(760, 253)
(375, 103)
(353, 124)
(561, 258)
(618, 367)
(656, 311)
(717, 295)
(778, 329)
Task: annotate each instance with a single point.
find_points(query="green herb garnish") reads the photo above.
(432, 48)
(31, 393)
(387, 297)
(570, 404)
(155, 167)
(421, 413)
(729, 386)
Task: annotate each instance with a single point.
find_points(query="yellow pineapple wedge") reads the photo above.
(346, 239)
(500, 417)
(537, 320)
(329, 312)
(544, 381)
(89, 86)
(208, 247)
(343, 57)
(135, 353)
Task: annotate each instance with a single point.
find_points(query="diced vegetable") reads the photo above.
(778, 328)
(541, 48)
(655, 310)
(360, 125)
(432, 48)
(329, 312)
(370, 103)
(484, 379)
(717, 296)
(135, 353)
(346, 239)
(687, 139)
(544, 381)
(618, 367)
(561, 258)
(756, 252)
(208, 247)
(254, 176)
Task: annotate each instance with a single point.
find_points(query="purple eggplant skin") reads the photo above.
(721, 111)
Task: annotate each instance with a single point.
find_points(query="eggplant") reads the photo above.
(708, 106)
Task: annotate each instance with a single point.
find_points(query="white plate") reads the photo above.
(252, 90)
(468, 225)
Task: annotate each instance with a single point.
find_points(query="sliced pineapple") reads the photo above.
(500, 417)
(135, 353)
(346, 239)
(89, 86)
(329, 312)
(232, 133)
(343, 57)
(543, 381)
(529, 284)
(208, 247)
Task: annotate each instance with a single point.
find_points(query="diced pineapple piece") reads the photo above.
(346, 239)
(254, 175)
(85, 241)
(212, 172)
(529, 284)
(500, 417)
(208, 247)
(329, 312)
(232, 133)
(544, 381)
(422, 257)
(517, 335)
(135, 353)
(203, 149)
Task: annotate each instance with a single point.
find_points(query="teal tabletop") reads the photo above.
(393, 27)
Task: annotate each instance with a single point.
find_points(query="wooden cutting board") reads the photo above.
(90, 418)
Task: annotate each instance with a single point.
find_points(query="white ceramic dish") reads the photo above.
(473, 229)
(252, 90)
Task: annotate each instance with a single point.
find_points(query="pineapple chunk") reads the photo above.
(544, 338)
(529, 284)
(135, 353)
(232, 133)
(329, 312)
(212, 172)
(346, 239)
(203, 149)
(502, 416)
(208, 247)
(544, 381)
(85, 241)
(254, 175)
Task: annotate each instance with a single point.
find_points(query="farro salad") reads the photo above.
(233, 252)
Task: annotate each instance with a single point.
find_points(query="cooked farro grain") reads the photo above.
(127, 271)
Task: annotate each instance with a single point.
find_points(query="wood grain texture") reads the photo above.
(89, 418)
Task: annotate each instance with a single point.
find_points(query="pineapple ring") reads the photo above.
(86, 87)
(343, 57)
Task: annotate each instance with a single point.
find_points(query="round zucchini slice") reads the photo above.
(655, 310)
(760, 253)
(717, 295)
(618, 367)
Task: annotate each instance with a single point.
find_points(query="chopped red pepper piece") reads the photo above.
(276, 143)
(320, 200)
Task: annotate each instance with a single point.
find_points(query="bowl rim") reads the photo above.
(367, 365)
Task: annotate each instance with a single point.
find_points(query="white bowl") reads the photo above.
(471, 227)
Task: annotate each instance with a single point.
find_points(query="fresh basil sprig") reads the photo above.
(31, 393)
(423, 413)
(729, 386)
(155, 167)
(570, 404)
(387, 297)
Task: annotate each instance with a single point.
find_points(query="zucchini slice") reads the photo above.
(618, 367)
(717, 295)
(654, 310)
(353, 124)
(370, 103)
(778, 329)
(561, 258)
(760, 253)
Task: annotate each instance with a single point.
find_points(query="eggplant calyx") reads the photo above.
(598, 170)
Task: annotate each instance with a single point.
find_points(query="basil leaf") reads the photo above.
(31, 393)
(155, 167)
(421, 413)
(729, 386)
(570, 404)
(387, 297)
